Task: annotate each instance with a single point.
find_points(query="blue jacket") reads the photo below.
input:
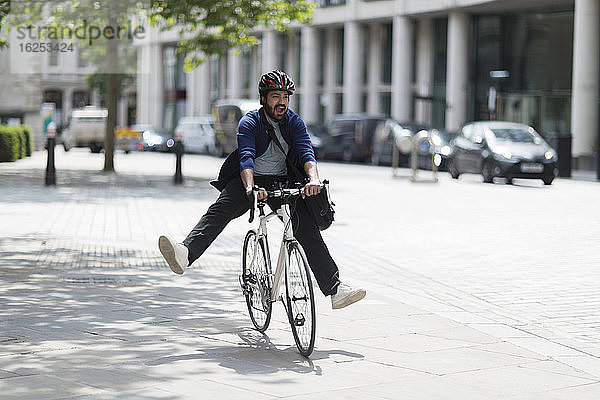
(253, 141)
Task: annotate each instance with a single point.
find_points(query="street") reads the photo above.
(474, 291)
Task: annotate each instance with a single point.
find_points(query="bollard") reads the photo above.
(178, 178)
(50, 169)
(423, 138)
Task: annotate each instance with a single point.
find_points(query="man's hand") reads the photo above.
(261, 194)
(311, 188)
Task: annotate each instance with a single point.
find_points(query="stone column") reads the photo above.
(234, 74)
(424, 73)
(309, 65)
(328, 98)
(269, 51)
(586, 75)
(352, 67)
(198, 90)
(401, 68)
(456, 70)
(374, 69)
(150, 86)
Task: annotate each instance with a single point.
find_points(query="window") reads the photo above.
(329, 3)
(340, 57)
(386, 53)
(53, 55)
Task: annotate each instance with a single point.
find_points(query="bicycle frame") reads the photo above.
(275, 278)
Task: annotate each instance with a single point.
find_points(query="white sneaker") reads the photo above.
(176, 254)
(346, 295)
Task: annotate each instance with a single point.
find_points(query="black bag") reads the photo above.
(319, 206)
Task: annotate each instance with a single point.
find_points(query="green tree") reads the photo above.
(206, 27)
(209, 27)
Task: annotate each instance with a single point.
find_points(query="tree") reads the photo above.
(209, 27)
(206, 27)
(4, 9)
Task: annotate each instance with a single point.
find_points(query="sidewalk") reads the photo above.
(90, 310)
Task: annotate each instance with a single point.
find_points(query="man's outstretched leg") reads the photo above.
(231, 204)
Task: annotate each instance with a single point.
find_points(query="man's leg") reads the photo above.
(232, 203)
(308, 235)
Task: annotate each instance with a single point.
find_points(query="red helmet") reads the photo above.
(276, 80)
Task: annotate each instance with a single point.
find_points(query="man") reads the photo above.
(258, 160)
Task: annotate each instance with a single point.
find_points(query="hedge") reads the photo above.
(15, 142)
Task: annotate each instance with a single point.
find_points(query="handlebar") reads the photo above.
(276, 194)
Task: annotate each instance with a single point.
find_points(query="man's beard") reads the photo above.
(271, 112)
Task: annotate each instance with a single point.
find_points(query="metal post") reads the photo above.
(178, 178)
(50, 168)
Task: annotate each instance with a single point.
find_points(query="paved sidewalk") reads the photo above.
(90, 311)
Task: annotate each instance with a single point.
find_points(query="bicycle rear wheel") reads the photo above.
(255, 281)
(300, 300)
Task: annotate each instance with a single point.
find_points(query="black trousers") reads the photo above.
(233, 203)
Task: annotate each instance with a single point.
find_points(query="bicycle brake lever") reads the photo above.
(252, 200)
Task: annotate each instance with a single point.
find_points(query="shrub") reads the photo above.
(28, 140)
(10, 144)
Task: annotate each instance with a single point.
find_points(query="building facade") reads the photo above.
(438, 62)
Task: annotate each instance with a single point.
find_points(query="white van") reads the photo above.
(86, 128)
(198, 134)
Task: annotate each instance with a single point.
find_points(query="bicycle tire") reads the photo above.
(300, 299)
(257, 287)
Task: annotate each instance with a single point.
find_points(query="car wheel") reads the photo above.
(452, 169)
(347, 154)
(548, 180)
(487, 171)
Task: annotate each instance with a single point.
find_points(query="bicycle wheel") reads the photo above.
(256, 284)
(300, 300)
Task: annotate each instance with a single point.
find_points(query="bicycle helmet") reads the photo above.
(275, 80)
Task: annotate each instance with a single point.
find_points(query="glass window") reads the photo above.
(321, 62)
(533, 51)
(53, 55)
(386, 52)
(340, 57)
(438, 107)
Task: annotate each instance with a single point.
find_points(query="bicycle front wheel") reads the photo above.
(256, 284)
(300, 300)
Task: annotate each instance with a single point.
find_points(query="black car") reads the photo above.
(350, 137)
(502, 149)
(154, 139)
(318, 134)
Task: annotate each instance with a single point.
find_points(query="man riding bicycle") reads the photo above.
(259, 161)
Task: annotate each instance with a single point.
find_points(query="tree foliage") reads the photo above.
(210, 27)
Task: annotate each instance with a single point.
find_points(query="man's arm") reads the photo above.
(248, 181)
(314, 184)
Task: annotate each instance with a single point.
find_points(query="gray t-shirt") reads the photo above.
(272, 161)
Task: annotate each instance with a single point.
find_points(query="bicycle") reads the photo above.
(262, 287)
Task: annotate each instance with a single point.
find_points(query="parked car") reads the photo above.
(442, 141)
(318, 134)
(154, 139)
(227, 114)
(386, 133)
(502, 149)
(128, 139)
(85, 128)
(198, 134)
(350, 137)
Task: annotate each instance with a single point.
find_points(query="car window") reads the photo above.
(519, 135)
(341, 127)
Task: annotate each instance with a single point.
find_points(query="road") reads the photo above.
(451, 268)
